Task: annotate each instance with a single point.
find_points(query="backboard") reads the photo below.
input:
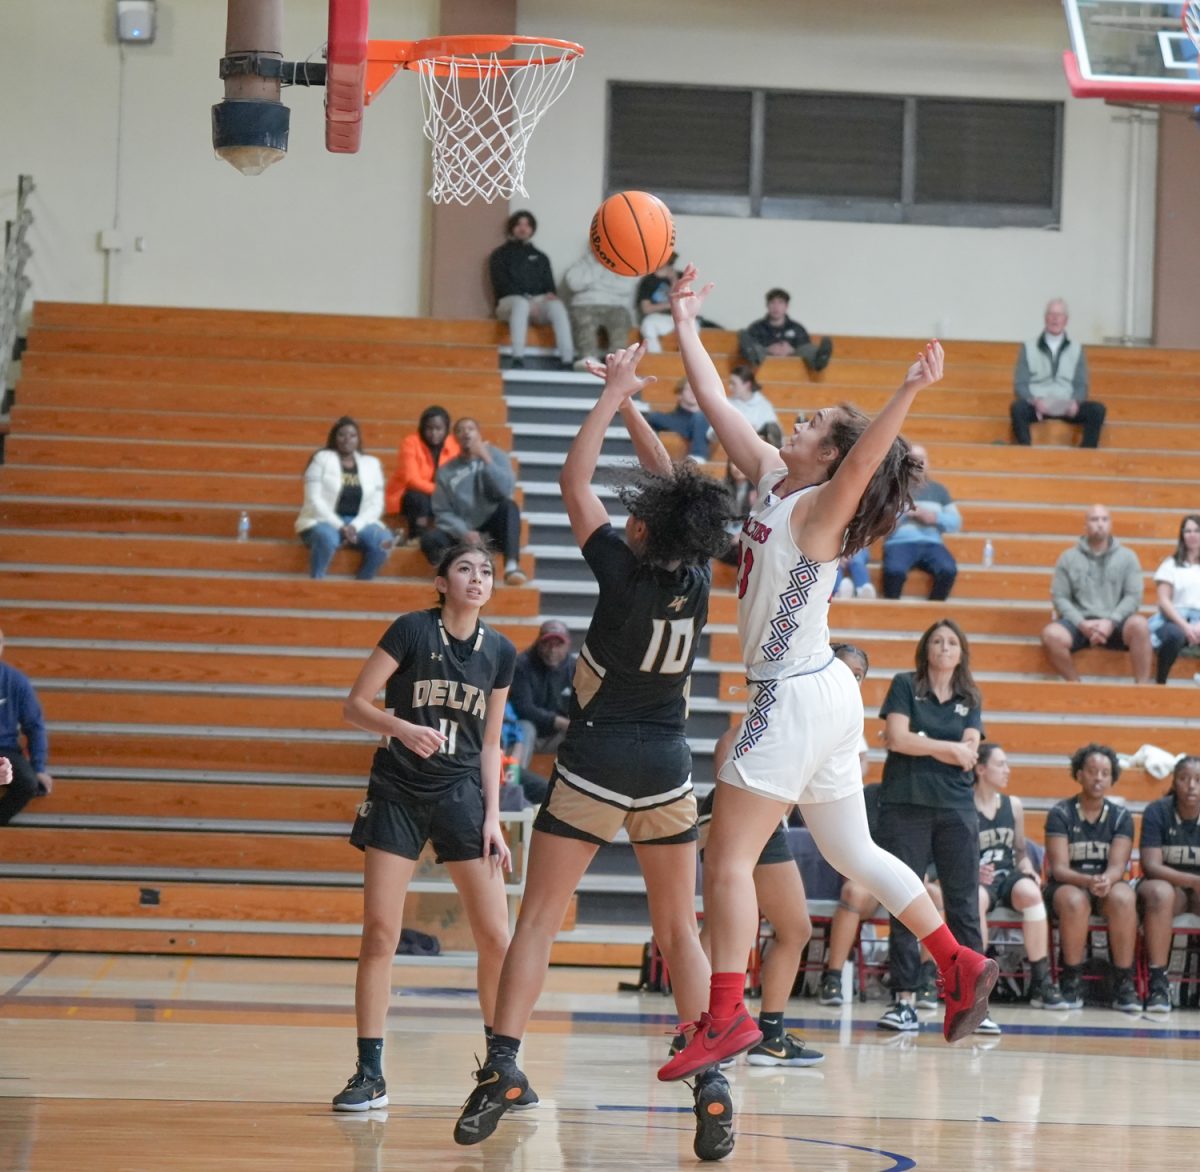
(1126, 50)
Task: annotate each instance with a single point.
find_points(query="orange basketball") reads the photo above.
(632, 233)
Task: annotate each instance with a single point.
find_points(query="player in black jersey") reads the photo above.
(1088, 843)
(435, 778)
(625, 760)
(1006, 876)
(1170, 852)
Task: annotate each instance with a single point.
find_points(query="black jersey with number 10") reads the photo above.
(635, 664)
(443, 683)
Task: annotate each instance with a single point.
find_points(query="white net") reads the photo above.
(1191, 22)
(480, 112)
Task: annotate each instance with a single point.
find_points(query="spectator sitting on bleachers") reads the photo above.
(1006, 876)
(916, 542)
(23, 777)
(853, 579)
(1089, 839)
(1097, 589)
(541, 691)
(343, 502)
(1170, 857)
(410, 487)
(779, 336)
(747, 397)
(1176, 623)
(1051, 382)
(654, 304)
(600, 312)
(523, 285)
(686, 420)
(472, 499)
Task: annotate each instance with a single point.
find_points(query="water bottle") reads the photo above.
(243, 530)
(989, 554)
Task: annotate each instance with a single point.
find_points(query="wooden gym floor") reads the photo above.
(138, 1063)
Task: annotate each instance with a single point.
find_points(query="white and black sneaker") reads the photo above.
(362, 1093)
(901, 1017)
(987, 1026)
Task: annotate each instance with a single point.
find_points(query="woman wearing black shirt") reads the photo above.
(927, 807)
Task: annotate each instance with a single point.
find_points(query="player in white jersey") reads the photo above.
(838, 483)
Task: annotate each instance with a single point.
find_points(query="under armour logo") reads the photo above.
(435, 656)
(677, 603)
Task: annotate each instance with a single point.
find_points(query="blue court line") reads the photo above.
(900, 1163)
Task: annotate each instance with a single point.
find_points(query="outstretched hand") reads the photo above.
(927, 369)
(620, 374)
(687, 302)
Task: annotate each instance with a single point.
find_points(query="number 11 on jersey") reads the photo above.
(448, 729)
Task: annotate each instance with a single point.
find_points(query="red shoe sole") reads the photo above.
(963, 1023)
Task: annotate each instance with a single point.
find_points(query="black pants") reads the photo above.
(1173, 642)
(503, 527)
(416, 506)
(1090, 418)
(17, 795)
(918, 836)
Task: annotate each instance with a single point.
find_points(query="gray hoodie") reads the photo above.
(467, 492)
(1106, 585)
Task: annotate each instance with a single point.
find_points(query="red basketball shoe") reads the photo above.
(711, 1043)
(965, 986)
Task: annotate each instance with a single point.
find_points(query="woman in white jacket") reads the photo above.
(343, 501)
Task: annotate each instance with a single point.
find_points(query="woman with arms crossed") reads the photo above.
(837, 484)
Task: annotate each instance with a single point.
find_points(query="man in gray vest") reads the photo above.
(1051, 382)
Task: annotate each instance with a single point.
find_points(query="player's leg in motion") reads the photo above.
(781, 899)
(385, 880)
(741, 823)
(840, 831)
(669, 870)
(556, 865)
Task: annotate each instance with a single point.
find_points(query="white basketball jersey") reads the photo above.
(783, 596)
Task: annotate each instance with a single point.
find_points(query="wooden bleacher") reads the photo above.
(193, 682)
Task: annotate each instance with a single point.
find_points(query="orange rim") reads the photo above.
(385, 58)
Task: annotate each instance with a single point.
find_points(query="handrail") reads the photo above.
(13, 282)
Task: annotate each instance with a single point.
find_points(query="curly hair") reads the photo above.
(687, 514)
(1080, 756)
(962, 682)
(890, 490)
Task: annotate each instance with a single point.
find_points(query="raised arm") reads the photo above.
(840, 497)
(584, 508)
(647, 446)
(742, 444)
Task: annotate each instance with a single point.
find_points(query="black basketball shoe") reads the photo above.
(497, 1089)
(362, 1093)
(714, 1116)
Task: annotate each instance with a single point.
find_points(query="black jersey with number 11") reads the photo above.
(443, 683)
(635, 664)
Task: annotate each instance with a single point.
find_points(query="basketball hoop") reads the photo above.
(1191, 22)
(481, 108)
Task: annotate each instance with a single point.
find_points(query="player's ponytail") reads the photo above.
(890, 490)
